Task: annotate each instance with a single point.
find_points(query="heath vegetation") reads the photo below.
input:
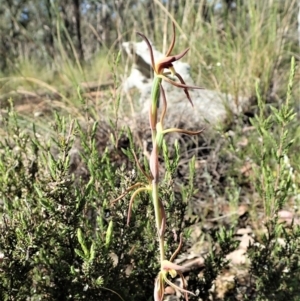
(97, 205)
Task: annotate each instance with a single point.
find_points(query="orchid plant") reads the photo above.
(163, 68)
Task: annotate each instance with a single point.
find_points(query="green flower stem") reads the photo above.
(158, 218)
(155, 93)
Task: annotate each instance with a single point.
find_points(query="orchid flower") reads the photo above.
(167, 63)
(172, 269)
(159, 67)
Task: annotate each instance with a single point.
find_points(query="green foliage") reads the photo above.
(275, 263)
(57, 239)
(275, 259)
(274, 181)
(62, 237)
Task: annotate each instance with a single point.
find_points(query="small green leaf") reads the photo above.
(92, 252)
(82, 243)
(99, 281)
(46, 204)
(72, 269)
(79, 253)
(109, 234)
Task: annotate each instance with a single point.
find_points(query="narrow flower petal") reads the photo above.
(178, 248)
(166, 62)
(173, 41)
(126, 192)
(170, 283)
(150, 48)
(140, 167)
(180, 85)
(167, 265)
(186, 88)
(184, 286)
(181, 54)
(131, 202)
(175, 130)
(164, 100)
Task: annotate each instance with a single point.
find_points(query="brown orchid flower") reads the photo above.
(167, 63)
(172, 269)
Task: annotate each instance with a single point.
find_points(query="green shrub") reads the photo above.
(64, 232)
(61, 236)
